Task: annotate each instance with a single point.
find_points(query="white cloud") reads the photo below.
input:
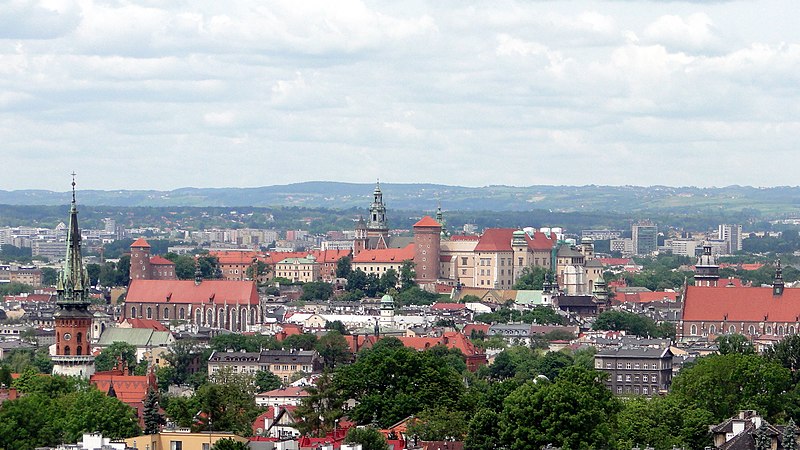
(456, 92)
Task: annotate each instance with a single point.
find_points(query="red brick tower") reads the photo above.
(427, 243)
(73, 320)
(140, 260)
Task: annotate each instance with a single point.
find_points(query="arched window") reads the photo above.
(768, 330)
(694, 330)
(751, 329)
(780, 330)
(79, 350)
(67, 351)
(731, 329)
(712, 329)
(791, 329)
(166, 313)
(209, 318)
(149, 312)
(133, 312)
(181, 314)
(79, 338)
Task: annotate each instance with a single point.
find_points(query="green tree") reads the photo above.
(393, 382)
(93, 410)
(151, 414)
(15, 288)
(787, 354)
(734, 343)
(439, 424)
(303, 341)
(407, 275)
(483, 432)
(229, 444)
(317, 290)
(725, 384)
(49, 276)
(369, 438)
(181, 410)
(111, 355)
(261, 268)
(322, 408)
(531, 278)
(552, 363)
(29, 422)
(663, 423)
(267, 381)
(575, 411)
(344, 266)
(228, 402)
(333, 349)
(388, 281)
(630, 323)
(336, 325)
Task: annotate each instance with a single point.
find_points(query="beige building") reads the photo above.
(303, 270)
(180, 440)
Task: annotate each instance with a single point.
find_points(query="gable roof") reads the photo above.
(186, 291)
(138, 337)
(740, 304)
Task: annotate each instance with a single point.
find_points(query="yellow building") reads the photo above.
(303, 270)
(180, 440)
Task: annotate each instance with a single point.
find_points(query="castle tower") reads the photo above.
(361, 240)
(377, 225)
(73, 321)
(140, 260)
(706, 270)
(587, 248)
(427, 246)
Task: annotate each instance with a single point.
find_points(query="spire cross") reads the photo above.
(73, 186)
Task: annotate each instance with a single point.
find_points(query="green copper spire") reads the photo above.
(73, 281)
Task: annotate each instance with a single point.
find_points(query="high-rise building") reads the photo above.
(645, 237)
(732, 235)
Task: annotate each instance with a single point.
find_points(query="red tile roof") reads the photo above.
(450, 339)
(233, 257)
(322, 256)
(477, 327)
(746, 304)
(140, 243)
(499, 239)
(159, 261)
(427, 222)
(186, 291)
(647, 297)
(386, 255)
(615, 261)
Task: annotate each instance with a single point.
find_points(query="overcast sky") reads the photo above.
(166, 94)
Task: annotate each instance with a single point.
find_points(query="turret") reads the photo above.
(777, 283)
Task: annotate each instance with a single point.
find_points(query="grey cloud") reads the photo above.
(28, 19)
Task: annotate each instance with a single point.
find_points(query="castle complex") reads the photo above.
(495, 259)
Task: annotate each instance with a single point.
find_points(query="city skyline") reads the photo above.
(243, 94)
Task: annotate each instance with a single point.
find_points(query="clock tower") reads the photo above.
(73, 320)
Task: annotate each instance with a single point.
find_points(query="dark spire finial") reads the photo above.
(73, 186)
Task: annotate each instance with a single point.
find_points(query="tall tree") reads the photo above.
(229, 444)
(322, 408)
(151, 414)
(369, 438)
(115, 353)
(344, 266)
(333, 349)
(576, 411)
(407, 275)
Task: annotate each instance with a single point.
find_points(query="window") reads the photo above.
(751, 329)
(133, 311)
(608, 365)
(619, 389)
(175, 445)
(619, 377)
(645, 378)
(712, 329)
(67, 350)
(694, 330)
(463, 271)
(731, 329)
(769, 329)
(166, 314)
(644, 390)
(627, 378)
(463, 261)
(149, 312)
(619, 365)
(636, 366)
(520, 261)
(636, 390)
(628, 366)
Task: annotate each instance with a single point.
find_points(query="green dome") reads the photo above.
(387, 299)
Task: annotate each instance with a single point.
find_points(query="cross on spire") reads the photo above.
(73, 186)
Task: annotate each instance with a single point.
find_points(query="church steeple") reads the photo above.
(73, 281)
(777, 284)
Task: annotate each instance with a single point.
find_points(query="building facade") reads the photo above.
(645, 238)
(283, 363)
(636, 370)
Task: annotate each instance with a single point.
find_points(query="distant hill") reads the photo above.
(773, 202)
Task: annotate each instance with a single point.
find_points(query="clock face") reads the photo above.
(67, 336)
